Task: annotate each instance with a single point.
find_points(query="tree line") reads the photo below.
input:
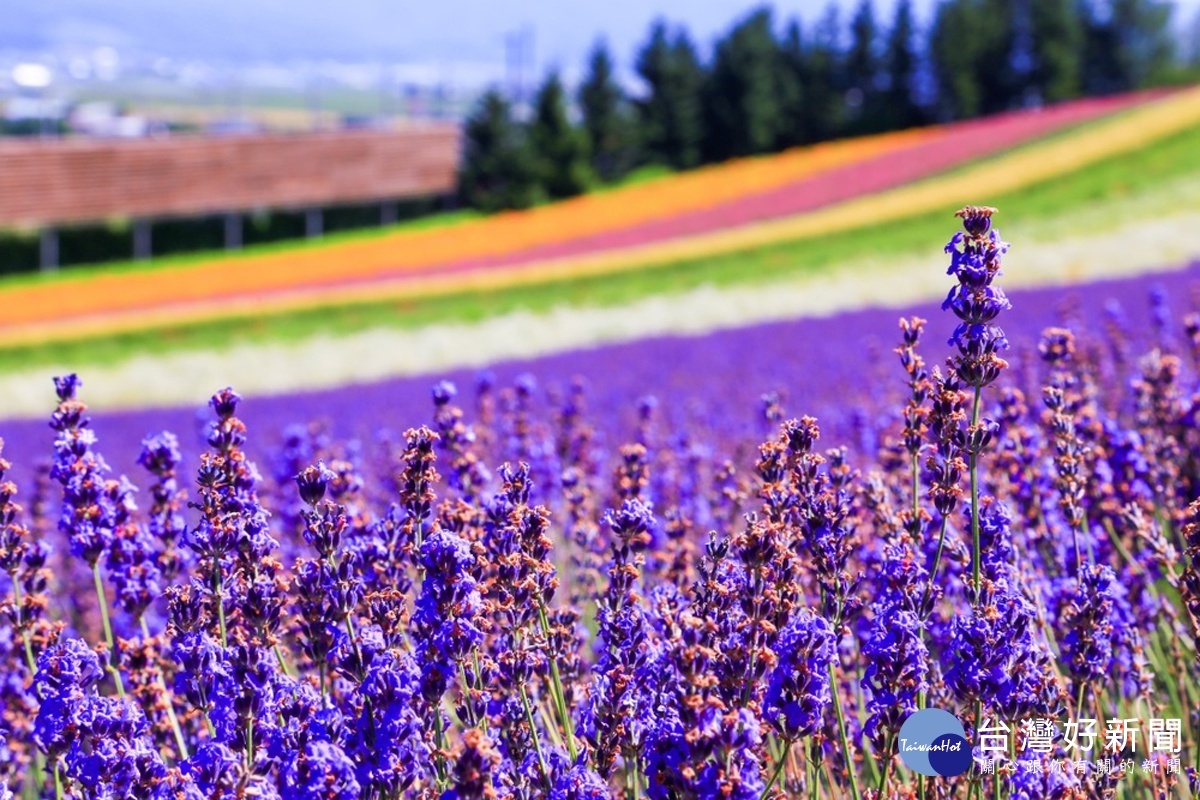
(766, 87)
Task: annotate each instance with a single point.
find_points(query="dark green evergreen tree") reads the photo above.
(741, 100)
(1056, 49)
(1101, 72)
(863, 72)
(1127, 45)
(559, 148)
(899, 106)
(670, 121)
(791, 80)
(606, 117)
(971, 48)
(825, 88)
(498, 171)
(1145, 46)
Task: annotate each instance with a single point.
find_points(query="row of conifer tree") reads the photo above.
(765, 87)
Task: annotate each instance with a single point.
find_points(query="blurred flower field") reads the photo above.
(749, 203)
(678, 568)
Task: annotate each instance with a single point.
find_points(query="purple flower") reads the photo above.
(119, 769)
(55, 727)
(216, 770)
(1088, 612)
(224, 403)
(975, 255)
(894, 646)
(313, 481)
(446, 624)
(160, 457)
(88, 499)
(995, 536)
(474, 769)
(243, 695)
(388, 743)
(620, 707)
(798, 691)
(199, 659)
(320, 772)
(1035, 779)
(580, 783)
(443, 392)
(65, 386)
(716, 758)
(999, 661)
(133, 561)
(66, 665)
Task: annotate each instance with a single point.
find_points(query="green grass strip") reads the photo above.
(1144, 176)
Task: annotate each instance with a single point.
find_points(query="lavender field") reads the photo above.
(729, 566)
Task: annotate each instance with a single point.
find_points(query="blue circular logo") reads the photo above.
(932, 742)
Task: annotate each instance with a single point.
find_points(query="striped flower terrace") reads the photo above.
(714, 208)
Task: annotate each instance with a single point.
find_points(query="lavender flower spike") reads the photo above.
(975, 254)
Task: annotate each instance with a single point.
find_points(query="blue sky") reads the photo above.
(460, 40)
(457, 33)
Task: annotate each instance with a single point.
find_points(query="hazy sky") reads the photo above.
(454, 37)
(564, 29)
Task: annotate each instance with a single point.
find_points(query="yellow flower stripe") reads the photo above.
(231, 277)
(1133, 129)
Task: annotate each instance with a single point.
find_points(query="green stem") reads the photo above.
(916, 488)
(218, 593)
(354, 642)
(108, 634)
(977, 783)
(787, 748)
(887, 764)
(439, 734)
(249, 744)
(841, 719)
(468, 687)
(996, 784)
(937, 560)
(58, 787)
(482, 684)
(976, 555)
(29, 659)
(921, 701)
(162, 686)
(556, 689)
(537, 742)
(812, 778)
(39, 765)
(283, 665)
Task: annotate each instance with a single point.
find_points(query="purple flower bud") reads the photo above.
(443, 392)
(224, 403)
(66, 386)
(313, 481)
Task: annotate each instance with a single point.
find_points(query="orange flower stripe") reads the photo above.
(504, 250)
(494, 236)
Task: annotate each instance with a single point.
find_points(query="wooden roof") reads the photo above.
(56, 181)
